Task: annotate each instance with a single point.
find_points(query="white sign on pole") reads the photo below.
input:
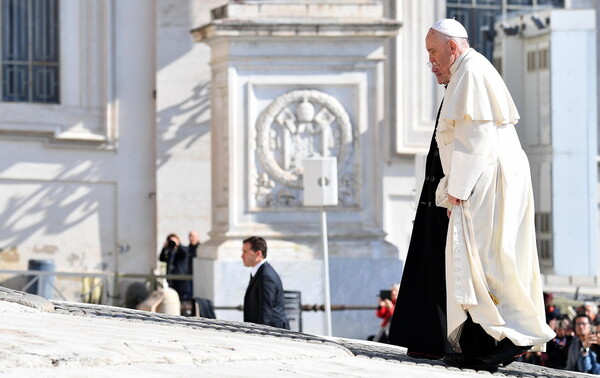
(320, 181)
(321, 189)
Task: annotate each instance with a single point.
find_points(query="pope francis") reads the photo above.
(495, 307)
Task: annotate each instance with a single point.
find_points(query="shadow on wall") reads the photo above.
(186, 121)
(52, 220)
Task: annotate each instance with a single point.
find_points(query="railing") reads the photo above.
(103, 280)
(314, 307)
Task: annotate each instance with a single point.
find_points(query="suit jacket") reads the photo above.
(264, 300)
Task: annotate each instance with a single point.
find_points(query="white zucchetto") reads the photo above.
(450, 27)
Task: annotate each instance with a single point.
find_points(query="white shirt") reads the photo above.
(256, 267)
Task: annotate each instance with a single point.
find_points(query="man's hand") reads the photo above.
(453, 200)
(589, 340)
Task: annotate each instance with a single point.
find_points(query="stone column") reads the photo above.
(291, 80)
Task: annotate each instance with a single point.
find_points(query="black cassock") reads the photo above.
(419, 320)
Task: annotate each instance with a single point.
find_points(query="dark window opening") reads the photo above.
(30, 51)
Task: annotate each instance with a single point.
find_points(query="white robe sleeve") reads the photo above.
(474, 148)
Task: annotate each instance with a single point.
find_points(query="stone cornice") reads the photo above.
(298, 18)
(296, 28)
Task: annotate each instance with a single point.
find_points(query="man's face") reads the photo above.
(562, 332)
(582, 326)
(441, 55)
(250, 257)
(589, 311)
(173, 241)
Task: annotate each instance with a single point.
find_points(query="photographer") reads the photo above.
(179, 261)
(557, 348)
(582, 354)
(387, 303)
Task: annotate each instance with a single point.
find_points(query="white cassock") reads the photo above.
(492, 266)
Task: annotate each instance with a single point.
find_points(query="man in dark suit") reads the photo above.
(264, 301)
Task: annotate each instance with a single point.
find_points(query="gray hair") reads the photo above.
(594, 308)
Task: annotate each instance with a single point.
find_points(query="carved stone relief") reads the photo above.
(295, 126)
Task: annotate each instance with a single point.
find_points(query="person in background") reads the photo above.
(385, 311)
(264, 302)
(591, 310)
(194, 240)
(552, 312)
(580, 356)
(179, 261)
(557, 349)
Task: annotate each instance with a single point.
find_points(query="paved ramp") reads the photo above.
(52, 338)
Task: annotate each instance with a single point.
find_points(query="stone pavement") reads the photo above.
(52, 338)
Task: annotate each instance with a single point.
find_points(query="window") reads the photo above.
(543, 226)
(478, 17)
(30, 51)
(544, 63)
(532, 60)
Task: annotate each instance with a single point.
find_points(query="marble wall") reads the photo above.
(77, 178)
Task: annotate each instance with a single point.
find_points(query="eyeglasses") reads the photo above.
(430, 65)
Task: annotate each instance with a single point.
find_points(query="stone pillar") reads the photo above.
(291, 80)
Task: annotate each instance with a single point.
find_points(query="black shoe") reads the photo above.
(513, 359)
(507, 352)
(459, 360)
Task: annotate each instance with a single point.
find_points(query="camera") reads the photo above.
(562, 325)
(385, 294)
(171, 243)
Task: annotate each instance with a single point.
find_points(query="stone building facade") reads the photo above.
(181, 114)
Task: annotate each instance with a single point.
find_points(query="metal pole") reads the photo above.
(326, 271)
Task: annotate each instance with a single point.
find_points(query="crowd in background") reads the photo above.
(575, 346)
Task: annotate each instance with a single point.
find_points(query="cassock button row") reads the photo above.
(457, 269)
(458, 278)
(458, 288)
(435, 153)
(432, 179)
(426, 178)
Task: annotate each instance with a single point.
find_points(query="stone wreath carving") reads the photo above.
(295, 126)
